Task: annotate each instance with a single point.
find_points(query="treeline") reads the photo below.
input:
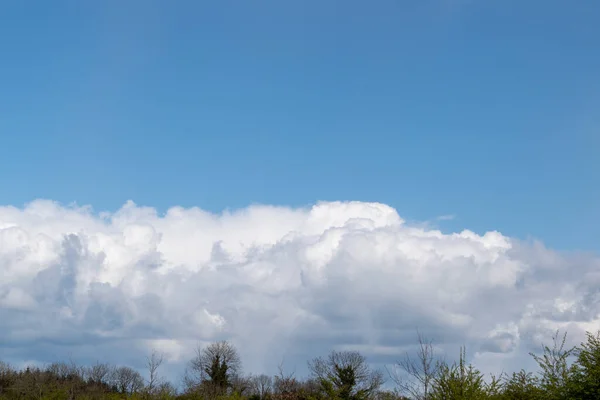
(214, 373)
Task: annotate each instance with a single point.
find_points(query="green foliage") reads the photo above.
(585, 381)
(459, 381)
(555, 372)
(217, 371)
(346, 376)
(522, 385)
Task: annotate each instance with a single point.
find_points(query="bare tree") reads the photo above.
(152, 364)
(285, 384)
(127, 380)
(214, 367)
(166, 390)
(99, 373)
(261, 386)
(60, 369)
(414, 377)
(346, 375)
(240, 384)
(76, 376)
(78, 371)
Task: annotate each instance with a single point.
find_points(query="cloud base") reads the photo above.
(278, 282)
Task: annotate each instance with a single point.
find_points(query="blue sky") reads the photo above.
(486, 110)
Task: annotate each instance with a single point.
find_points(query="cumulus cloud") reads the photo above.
(278, 282)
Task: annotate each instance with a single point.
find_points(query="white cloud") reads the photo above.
(279, 282)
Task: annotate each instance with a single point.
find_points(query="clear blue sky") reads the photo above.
(485, 109)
